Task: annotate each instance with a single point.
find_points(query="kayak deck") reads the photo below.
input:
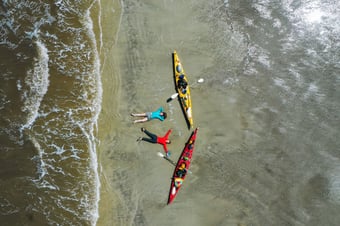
(180, 78)
(182, 167)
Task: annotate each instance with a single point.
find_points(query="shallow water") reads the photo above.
(51, 97)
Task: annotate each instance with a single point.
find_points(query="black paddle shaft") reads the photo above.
(169, 160)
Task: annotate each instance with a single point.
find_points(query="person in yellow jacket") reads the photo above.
(181, 170)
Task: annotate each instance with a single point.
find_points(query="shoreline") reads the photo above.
(110, 11)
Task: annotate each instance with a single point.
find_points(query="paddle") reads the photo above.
(170, 160)
(173, 96)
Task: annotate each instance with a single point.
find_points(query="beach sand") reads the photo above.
(137, 76)
(249, 166)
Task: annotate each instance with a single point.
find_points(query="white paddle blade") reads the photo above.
(160, 154)
(173, 96)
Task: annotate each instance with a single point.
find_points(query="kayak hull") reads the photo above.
(185, 158)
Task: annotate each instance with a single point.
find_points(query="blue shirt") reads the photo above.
(157, 114)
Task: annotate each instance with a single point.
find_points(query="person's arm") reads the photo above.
(159, 110)
(165, 148)
(167, 134)
(160, 117)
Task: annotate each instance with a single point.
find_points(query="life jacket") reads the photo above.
(182, 166)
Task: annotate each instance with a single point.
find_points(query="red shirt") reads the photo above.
(162, 140)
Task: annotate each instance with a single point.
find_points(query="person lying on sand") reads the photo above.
(147, 116)
(157, 140)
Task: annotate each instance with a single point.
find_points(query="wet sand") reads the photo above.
(137, 78)
(244, 172)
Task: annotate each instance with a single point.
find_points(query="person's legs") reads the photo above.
(148, 140)
(141, 120)
(138, 114)
(153, 137)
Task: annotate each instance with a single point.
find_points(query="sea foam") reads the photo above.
(37, 85)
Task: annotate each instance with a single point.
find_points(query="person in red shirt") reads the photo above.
(156, 139)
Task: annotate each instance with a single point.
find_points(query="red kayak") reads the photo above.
(182, 167)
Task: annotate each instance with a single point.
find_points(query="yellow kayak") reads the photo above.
(183, 90)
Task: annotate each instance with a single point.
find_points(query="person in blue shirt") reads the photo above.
(147, 116)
